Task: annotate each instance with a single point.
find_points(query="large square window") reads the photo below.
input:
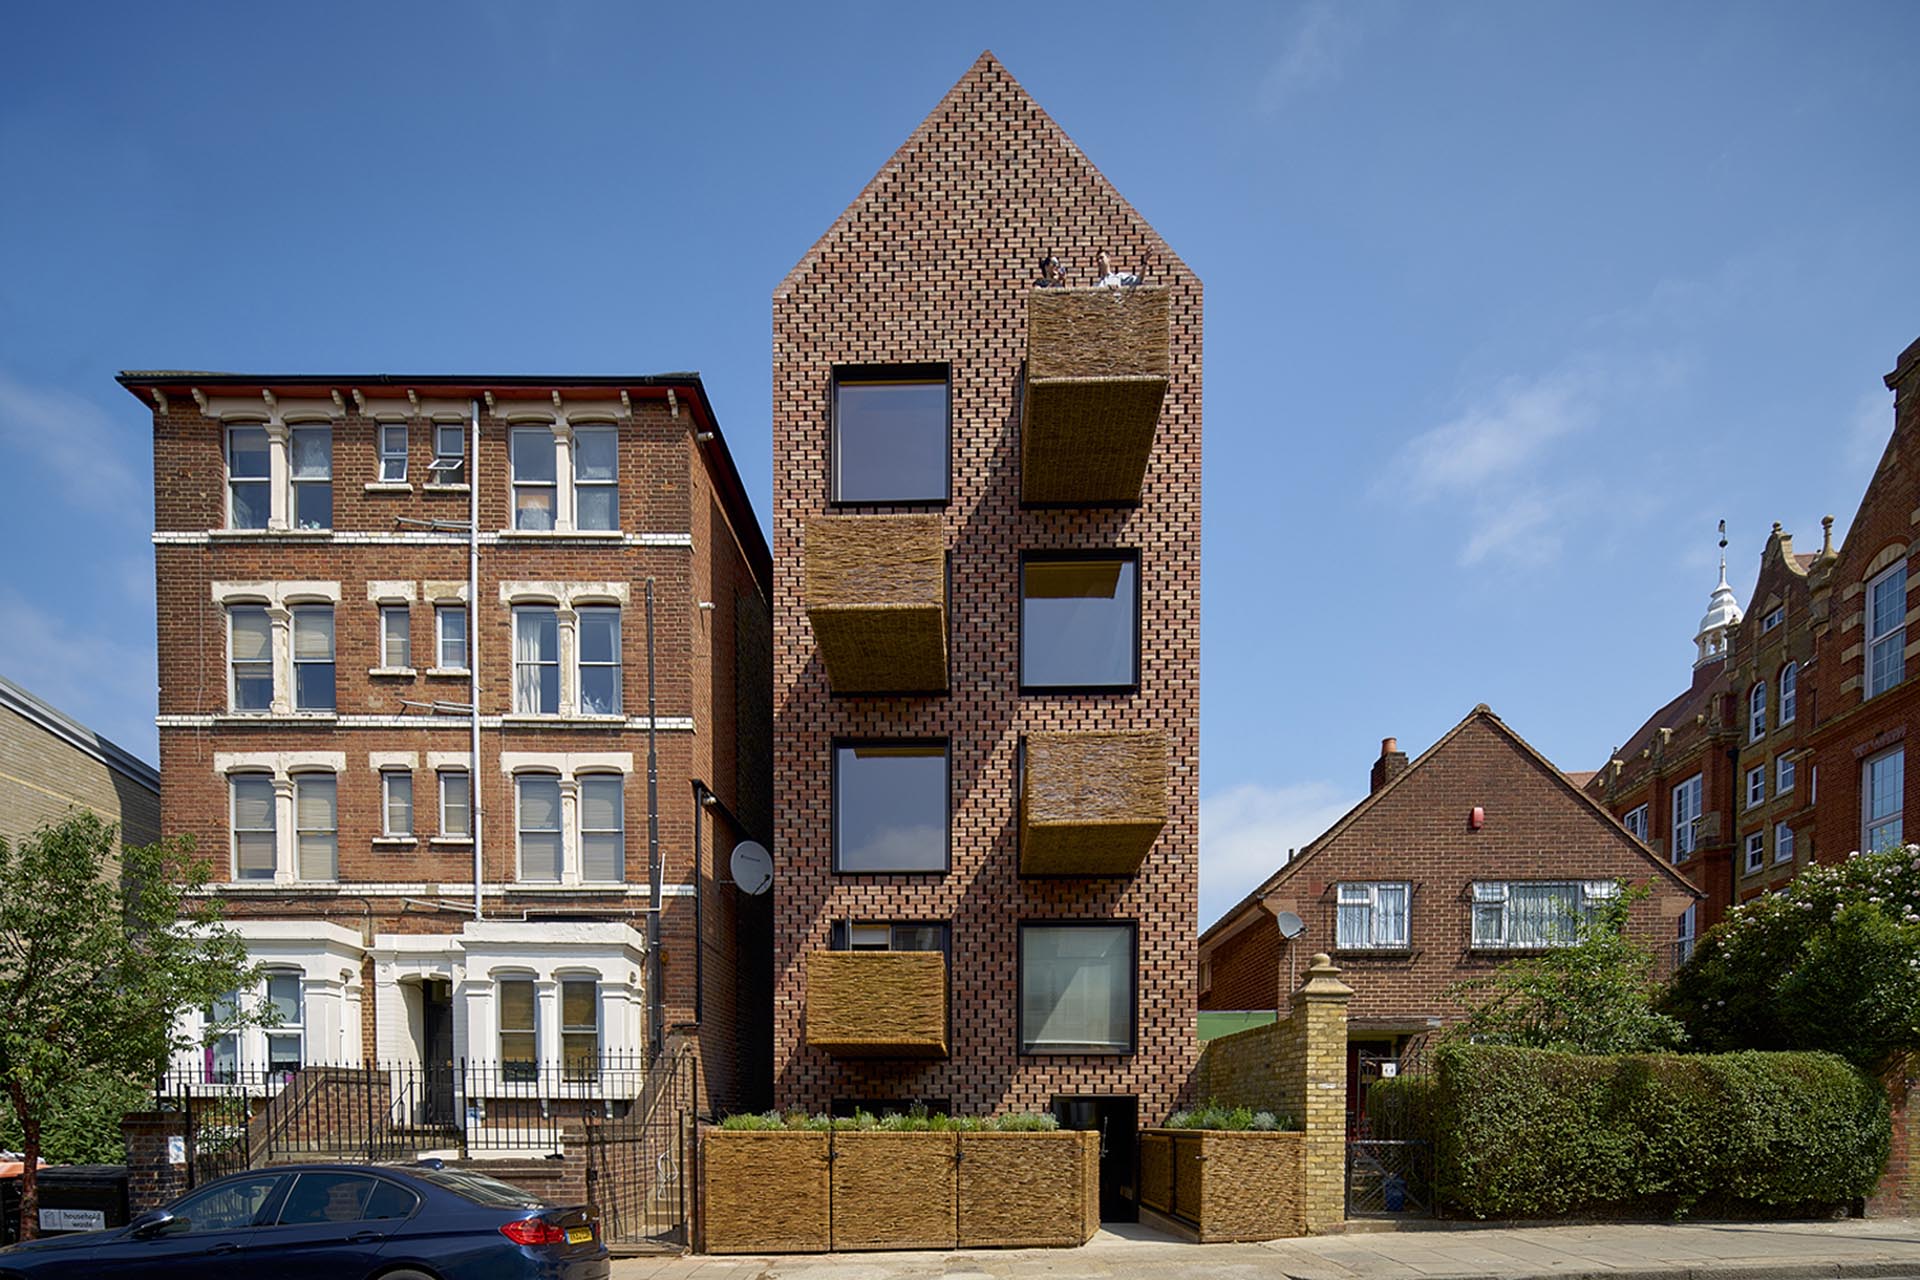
(890, 806)
(1076, 988)
(890, 434)
(1080, 622)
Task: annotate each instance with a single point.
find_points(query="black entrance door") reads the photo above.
(1118, 1121)
(436, 1027)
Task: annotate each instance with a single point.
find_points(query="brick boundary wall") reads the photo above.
(152, 1179)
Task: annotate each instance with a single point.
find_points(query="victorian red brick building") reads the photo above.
(986, 635)
(1477, 851)
(414, 633)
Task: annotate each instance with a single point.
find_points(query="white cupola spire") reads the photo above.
(1723, 615)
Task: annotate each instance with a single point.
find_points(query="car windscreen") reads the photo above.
(479, 1188)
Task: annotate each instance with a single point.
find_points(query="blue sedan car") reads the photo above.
(335, 1222)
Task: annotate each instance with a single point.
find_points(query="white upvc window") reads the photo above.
(1636, 821)
(535, 482)
(252, 821)
(580, 1028)
(312, 474)
(1372, 915)
(1774, 617)
(396, 636)
(250, 658)
(1887, 630)
(286, 1032)
(456, 804)
(1756, 850)
(603, 839)
(1686, 815)
(396, 803)
(1689, 922)
(393, 452)
(316, 817)
(599, 650)
(249, 478)
(313, 682)
(519, 1029)
(1784, 771)
(222, 1047)
(449, 454)
(1757, 712)
(596, 477)
(1882, 798)
(536, 660)
(1532, 914)
(1756, 786)
(1782, 842)
(1789, 692)
(537, 806)
(450, 637)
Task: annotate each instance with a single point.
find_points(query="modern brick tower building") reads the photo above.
(986, 637)
(431, 878)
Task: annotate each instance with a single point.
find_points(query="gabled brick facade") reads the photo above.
(934, 264)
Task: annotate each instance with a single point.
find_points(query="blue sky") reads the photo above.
(1507, 304)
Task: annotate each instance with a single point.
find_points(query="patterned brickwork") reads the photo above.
(933, 264)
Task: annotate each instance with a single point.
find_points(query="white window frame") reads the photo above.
(596, 612)
(1366, 894)
(294, 1029)
(235, 830)
(571, 1032)
(1773, 618)
(389, 660)
(521, 830)
(448, 468)
(1785, 775)
(265, 482)
(441, 778)
(1789, 693)
(1783, 842)
(1870, 824)
(1686, 932)
(1756, 786)
(527, 611)
(517, 1070)
(595, 429)
(1685, 834)
(392, 452)
(1492, 900)
(297, 612)
(393, 779)
(1891, 638)
(516, 484)
(1756, 847)
(328, 835)
(296, 481)
(619, 782)
(442, 611)
(234, 664)
(1757, 712)
(1635, 821)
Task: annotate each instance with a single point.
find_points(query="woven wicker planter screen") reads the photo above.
(877, 1004)
(764, 1192)
(1029, 1190)
(1229, 1186)
(876, 596)
(893, 1190)
(1092, 804)
(1097, 367)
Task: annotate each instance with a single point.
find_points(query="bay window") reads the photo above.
(286, 1013)
(579, 1028)
(1077, 988)
(519, 1039)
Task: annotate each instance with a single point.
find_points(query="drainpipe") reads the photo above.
(656, 1007)
(473, 639)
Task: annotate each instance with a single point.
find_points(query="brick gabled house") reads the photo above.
(1478, 851)
(986, 638)
(432, 878)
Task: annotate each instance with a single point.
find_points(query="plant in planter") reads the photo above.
(1232, 1172)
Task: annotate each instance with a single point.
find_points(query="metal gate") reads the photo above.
(219, 1133)
(640, 1163)
(1390, 1170)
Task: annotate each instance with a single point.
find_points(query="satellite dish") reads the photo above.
(752, 867)
(1291, 925)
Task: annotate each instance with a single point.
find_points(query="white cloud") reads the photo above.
(76, 441)
(1315, 54)
(1246, 831)
(105, 683)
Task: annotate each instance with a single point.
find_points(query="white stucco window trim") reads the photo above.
(280, 766)
(328, 959)
(568, 767)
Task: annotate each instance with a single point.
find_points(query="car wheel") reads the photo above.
(405, 1275)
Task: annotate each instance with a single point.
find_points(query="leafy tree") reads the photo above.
(97, 961)
(1831, 962)
(1596, 996)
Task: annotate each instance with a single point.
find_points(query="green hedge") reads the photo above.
(1528, 1133)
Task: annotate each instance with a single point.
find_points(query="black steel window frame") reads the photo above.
(1132, 926)
(923, 371)
(1131, 554)
(833, 800)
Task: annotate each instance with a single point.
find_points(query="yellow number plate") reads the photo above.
(579, 1235)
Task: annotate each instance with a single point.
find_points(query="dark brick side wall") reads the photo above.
(933, 263)
(152, 1179)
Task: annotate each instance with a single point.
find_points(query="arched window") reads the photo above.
(1757, 712)
(1789, 692)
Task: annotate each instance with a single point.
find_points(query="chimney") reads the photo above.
(1391, 764)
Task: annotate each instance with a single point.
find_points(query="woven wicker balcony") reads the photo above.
(1097, 366)
(1092, 804)
(877, 1004)
(877, 599)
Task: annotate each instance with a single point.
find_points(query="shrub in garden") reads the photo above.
(1526, 1133)
(1212, 1115)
